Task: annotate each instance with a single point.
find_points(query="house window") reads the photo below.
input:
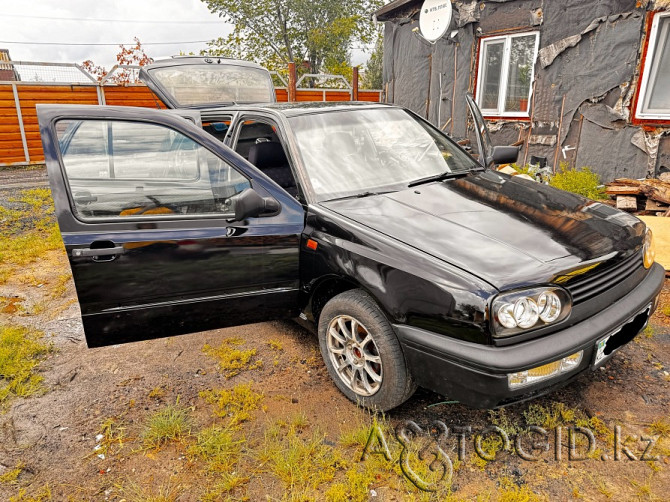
(654, 101)
(506, 72)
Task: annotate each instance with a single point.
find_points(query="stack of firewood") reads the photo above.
(651, 197)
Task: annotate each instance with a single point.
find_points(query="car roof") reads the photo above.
(294, 109)
(198, 60)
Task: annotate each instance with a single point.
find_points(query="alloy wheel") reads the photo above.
(354, 355)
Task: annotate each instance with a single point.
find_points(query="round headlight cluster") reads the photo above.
(523, 310)
(649, 249)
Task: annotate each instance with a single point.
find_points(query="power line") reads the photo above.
(106, 44)
(99, 20)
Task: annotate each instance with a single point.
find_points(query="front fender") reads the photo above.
(411, 287)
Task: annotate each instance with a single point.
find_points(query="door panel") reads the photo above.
(144, 202)
(481, 132)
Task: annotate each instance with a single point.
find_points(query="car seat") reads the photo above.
(270, 158)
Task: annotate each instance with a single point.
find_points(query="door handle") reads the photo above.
(84, 198)
(88, 252)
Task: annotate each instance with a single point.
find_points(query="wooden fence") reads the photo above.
(20, 142)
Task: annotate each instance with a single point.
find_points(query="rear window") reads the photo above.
(193, 85)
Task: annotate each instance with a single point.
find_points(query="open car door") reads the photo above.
(482, 133)
(489, 155)
(146, 203)
(208, 82)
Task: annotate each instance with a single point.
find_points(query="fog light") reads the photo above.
(649, 249)
(535, 375)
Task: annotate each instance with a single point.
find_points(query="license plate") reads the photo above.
(600, 349)
(621, 336)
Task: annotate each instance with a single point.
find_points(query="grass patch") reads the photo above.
(169, 424)
(660, 428)
(301, 463)
(60, 287)
(113, 436)
(218, 448)
(28, 232)
(21, 351)
(236, 404)
(222, 489)
(157, 393)
(276, 345)
(232, 361)
(10, 477)
(510, 492)
(42, 495)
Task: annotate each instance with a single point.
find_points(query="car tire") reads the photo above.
(356, 337)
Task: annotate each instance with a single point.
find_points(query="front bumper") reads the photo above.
(476, 375)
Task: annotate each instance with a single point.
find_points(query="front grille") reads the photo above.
(599, 282)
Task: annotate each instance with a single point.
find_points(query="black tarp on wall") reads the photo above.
(589, 55)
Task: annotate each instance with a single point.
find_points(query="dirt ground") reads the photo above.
(87, 434)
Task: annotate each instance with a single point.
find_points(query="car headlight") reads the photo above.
(649, 249)
(519, 311)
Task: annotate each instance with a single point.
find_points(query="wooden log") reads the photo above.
(657, 190)
(623, 190)
(626, 203)
(652, 205)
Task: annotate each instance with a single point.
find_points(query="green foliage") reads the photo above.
(237, 404)
(42, 495)
(275, 32)
(28, 231)
(169, 424)
(373, 78)
(12, 475)
(218, 447)
(301, 461)
(527, 169)
(21, 351)
(581, 181)
(233, 361)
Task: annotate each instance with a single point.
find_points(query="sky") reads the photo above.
(151, 21)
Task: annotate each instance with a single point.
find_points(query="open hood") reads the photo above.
(206, 82)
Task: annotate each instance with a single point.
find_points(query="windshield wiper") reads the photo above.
(438, 177)
(363, 195)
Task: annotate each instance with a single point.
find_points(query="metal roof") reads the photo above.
(386, 12)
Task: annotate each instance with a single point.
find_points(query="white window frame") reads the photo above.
(502, 98)
(650, 71)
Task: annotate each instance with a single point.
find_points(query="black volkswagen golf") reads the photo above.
(413, 262)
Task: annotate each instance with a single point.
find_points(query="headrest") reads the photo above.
(265, 155)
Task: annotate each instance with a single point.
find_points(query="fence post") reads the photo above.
(292, 78)
(22, 129)
(354, 85)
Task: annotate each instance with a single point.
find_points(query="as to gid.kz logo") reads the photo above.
(430, 454)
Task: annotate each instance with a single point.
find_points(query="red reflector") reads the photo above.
(312, 244)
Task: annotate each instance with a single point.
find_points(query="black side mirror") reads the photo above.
(505, 154)
(248, 204)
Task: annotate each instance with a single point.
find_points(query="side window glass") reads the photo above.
(220, 128)
(259, 143)
(128, 169)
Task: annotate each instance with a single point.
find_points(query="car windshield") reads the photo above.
(193, 85)
(357, 152)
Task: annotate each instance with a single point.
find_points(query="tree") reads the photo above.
(318, 36)
(373, 78)
(134, 55)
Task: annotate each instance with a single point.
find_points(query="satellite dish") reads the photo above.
(435, 19)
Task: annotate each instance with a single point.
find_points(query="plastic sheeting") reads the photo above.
(589, 56)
